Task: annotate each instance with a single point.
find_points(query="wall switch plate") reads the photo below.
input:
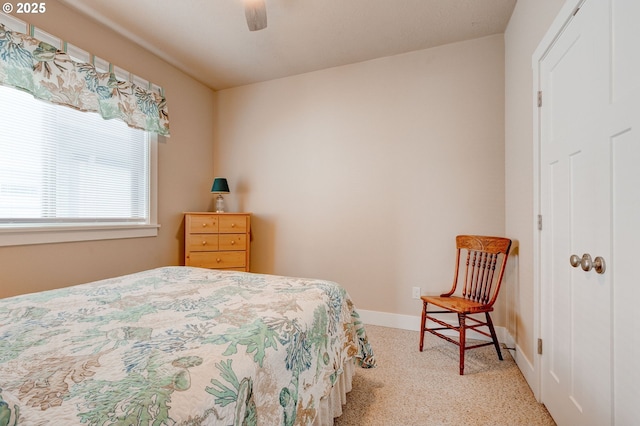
(416, 293)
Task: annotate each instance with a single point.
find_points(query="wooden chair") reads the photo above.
(478, 286)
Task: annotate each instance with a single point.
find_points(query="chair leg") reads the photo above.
(463, 337)
(493, 335)
(423, 323)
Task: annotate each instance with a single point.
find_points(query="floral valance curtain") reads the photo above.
(51, 74)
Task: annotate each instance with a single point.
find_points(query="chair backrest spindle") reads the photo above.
(466, 290)
(474, 274)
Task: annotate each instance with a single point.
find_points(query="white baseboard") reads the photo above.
(528, 371)
(385, 319)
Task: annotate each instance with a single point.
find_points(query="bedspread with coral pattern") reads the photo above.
(177, 346)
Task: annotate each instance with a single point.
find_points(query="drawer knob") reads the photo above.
(218, 260)
(233, 225)
(233, 242)
(204, 243)
(204, 225)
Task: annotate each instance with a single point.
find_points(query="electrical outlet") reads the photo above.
(416, 293)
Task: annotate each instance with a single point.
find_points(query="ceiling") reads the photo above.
(210, 40)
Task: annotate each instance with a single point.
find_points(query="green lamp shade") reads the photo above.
(220, 186)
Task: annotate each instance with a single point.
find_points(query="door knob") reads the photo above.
(574, 260)
(599, 265)
(586, 263)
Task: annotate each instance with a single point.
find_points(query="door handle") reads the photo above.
(599, 265)
(574, 260)
(586, 263)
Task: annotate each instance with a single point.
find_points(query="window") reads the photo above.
(67, 175)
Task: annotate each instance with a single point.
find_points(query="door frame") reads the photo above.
(557, 27)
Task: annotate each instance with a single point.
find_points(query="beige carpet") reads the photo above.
(409, 387)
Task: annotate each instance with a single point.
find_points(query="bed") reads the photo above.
(180, 346)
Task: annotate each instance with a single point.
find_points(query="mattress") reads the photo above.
(180, 346)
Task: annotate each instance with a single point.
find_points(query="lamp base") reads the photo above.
(219, 204)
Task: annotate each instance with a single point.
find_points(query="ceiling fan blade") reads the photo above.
(256, 14)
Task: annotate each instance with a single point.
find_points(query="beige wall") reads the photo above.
(364, 174)
(529, 22)
(185, 172)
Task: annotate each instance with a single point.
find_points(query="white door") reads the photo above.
(575, 303)
(590, 203)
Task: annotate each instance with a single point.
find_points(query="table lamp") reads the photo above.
(220, 186)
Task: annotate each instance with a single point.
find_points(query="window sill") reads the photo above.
(27, 236)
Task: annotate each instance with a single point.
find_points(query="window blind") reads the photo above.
(59, 166)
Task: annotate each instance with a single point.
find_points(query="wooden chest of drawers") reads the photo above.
(217, 240)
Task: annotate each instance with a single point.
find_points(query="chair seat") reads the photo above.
(457, 304)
